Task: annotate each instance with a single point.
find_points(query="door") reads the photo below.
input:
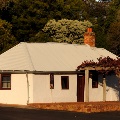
(80, 88)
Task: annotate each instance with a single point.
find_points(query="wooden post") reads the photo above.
(104, 89)
(87, 85)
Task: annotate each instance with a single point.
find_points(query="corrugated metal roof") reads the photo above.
(49, 56)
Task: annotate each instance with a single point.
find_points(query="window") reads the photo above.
(65, 82)
(5, 81)
(94, 79)
(51, 81)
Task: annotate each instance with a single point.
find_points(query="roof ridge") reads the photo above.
(29, 56)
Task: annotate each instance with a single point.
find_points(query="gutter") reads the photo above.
(40, 72)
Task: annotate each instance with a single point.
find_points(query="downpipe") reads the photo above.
(27, 88)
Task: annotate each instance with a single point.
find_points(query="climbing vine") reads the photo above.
(106, 62)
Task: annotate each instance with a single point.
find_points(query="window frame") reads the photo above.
(67, 84)
(94, 79)
(1, 87)
(51, 81)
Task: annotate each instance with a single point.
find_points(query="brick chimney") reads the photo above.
(89, 37)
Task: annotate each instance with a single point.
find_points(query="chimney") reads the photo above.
(89, 37)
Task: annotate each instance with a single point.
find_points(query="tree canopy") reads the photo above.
(4, 3)
(113, 34)
(28, 18)
(7, 40)
(64, 30)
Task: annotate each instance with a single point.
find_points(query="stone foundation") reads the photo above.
(87, 107)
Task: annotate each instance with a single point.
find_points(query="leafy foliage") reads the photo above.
(107, 62)
(4, 3)
(28, 17)
(98, 15)
(113, 37)
(41, 37)
(7, 40)
(113, 27)
(65, 30)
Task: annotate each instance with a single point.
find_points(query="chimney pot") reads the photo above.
(89, 29)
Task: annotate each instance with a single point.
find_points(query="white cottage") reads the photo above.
(46, 73)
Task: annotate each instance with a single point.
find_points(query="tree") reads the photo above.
(65, 30)
(69, 9)
(98, 16)
(113, 33)
(30, 16)
(4, 3)
(103, 15)
(114, 38)
(41, 37)
(7, 40)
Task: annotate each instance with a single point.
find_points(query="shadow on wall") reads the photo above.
(112, 82)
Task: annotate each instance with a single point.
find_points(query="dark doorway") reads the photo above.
(80, 88)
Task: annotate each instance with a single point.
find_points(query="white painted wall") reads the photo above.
(18, 93)
(112, 89)
(40, 92)
(43, 93)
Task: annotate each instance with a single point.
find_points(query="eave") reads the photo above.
(38, 72)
